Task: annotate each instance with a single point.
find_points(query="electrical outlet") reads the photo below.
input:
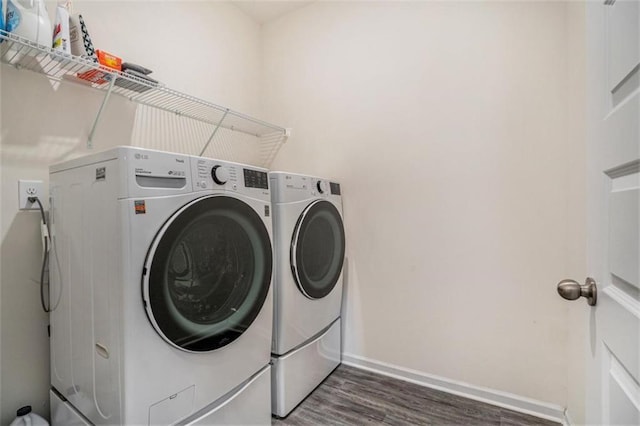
(29, 188)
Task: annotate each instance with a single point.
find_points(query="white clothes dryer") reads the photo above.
(309, 245)
(161, 289)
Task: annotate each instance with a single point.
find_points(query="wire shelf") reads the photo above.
(25, 54)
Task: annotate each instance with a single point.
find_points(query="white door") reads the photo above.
(613, 233)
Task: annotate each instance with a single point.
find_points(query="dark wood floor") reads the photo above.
(355, 397)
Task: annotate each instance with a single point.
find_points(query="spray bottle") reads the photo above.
(61, 39)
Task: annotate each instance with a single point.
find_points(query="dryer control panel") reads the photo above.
(291, 187)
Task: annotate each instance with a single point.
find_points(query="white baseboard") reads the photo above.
(507, 400)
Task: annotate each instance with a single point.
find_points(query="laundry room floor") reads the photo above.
(351, 396)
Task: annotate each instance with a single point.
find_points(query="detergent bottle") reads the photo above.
(26, 418)
(3, 14)
(29, 19)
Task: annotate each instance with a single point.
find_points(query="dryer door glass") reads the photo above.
(209, 273)
(317, 249)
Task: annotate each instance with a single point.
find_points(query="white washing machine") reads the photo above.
(309, 246)
(161, 288)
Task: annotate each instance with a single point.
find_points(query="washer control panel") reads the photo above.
(322, 186)
(209, 174)
(256, 179)
(220, 174)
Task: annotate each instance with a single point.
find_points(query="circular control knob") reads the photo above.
(322, 186)
(220, 174)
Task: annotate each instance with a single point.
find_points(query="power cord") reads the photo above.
(45, 259)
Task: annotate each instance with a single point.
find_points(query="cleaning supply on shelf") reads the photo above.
(135, 67)
(81, 44)
(138, 79)
(26, 418)
(61, 37)
(29, 19)
(109, 60)
(3, 13)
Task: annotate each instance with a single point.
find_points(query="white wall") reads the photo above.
(210, 50)
(578, 313)
(447, 124)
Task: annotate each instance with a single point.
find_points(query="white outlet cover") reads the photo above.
(30, 188)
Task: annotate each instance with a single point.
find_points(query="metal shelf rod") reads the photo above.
(97, 119)
(206, 145)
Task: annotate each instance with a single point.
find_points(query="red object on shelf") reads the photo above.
(94, 76)
(109, 60)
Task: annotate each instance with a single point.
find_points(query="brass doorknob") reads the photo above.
(572, 290)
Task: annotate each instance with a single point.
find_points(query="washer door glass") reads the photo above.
(317, 249)
(209, 275)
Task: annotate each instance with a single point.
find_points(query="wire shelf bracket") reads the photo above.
(97, 119)
(215, 130)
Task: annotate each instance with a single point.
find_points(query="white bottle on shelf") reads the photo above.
(29, 19)
(61, 37)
